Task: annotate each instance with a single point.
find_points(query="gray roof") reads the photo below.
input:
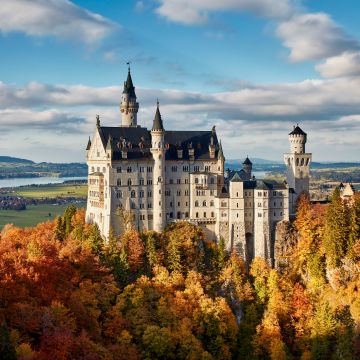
(129, 86)
(237, 175)
(247, 161)
(137, 142)
(157, 124)
(88, 146)
(297, 131)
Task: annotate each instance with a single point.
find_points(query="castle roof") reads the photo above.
(297, 131)
(247, 161)
(129, 86)
(157, 124)
(88, 146)
(137, 142)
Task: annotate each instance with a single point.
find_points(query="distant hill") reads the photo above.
(14, 160)
(255, 161)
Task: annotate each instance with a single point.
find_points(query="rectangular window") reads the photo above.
(178, 181)
(149, 169)
(149, 182)
(149, 194)
(118, 169)
(171, 181)
(186, 181)
(178, 193)
(207, 167)
(141, 169)
(174, 168)
(196, 168)
(185, 168)
(187, 192)
(259, 214)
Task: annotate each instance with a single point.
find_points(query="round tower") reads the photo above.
(158, 152)
(129, 107)
(298, 166)
(297, 140)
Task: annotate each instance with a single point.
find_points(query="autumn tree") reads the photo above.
(7, 351)
(336, 231)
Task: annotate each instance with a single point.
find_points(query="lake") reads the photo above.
(37, 181)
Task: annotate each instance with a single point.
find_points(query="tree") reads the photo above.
(354, 228)
(336, 231)
(7, 351)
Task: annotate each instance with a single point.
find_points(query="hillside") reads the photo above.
(14, 160)
(67, 294)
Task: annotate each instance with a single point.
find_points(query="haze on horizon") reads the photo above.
(252, 68)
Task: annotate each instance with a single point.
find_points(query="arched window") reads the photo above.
(197, 215)
(129, 182)
(204, 214)
(297, 161)
(159, 179)
(129, 169)
(118, 182)
(141, 181)
(212, 214)
(196, 180)
(179, 215)
(212, 181)
(196, 203)
(119, 194)
(212, 203)
(204, 203)
(307, 161)
(132, 193)
(186, 214)
(302, 162)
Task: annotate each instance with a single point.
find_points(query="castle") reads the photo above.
(161, 176)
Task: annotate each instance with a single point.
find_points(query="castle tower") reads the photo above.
(158, 152)
(128, 106)
(247, 167)
(298, 164)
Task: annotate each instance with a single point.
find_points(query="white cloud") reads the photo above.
(60, 18)
(250, 114)
(194, 12)
(345, 64)
(313, 37)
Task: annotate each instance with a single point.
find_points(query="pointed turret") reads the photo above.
(129, 87)
(129, 107)
(220, 153)
(109, 144)
(157, 124)
(247, 167)
(88, 146)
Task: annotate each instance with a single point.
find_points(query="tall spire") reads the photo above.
(157, 124)
(220, 153)
(128, 85)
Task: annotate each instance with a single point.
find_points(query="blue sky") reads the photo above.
(253, 68)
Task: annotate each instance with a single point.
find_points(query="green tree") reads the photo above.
(336, 231)
(70, 211)
(95, 239)
(7, 351)
(354, 226)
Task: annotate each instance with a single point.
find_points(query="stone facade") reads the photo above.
(163, 176)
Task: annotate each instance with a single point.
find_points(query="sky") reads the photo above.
(252, 68)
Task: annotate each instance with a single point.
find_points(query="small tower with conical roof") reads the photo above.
(247, 167)
(158, 151)
(129, 107)
(298, 165)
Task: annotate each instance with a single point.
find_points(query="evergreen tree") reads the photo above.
(7, 351)
(336, 231)
(70, 211)
(95, 239)
(221, 253)
(60, 229)
(354, 228)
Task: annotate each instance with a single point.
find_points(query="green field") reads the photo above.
(33, 215)
(52, 191)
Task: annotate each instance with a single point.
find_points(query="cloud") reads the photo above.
(345, 64)
(59, 18)
(243, 115)
(38, 94)
(314, 36)
(196, 12)
(308, 36)
(49, 120)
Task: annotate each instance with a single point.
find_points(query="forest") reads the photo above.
(67, 294)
